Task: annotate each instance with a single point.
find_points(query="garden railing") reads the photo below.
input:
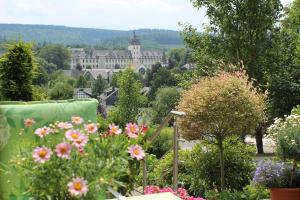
(172, 115)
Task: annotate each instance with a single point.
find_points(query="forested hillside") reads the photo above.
(150, 38)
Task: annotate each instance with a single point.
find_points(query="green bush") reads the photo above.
(163, 170)
(249, 193)
(206, 167)
(163, 143)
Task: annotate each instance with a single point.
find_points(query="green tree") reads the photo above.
(99, 86)
(239, 30)
(82, 82)
(150, 73)
(129, 98)
(284, 76)
(162, 78)
(166, 99)
(220, 106)
(56, 54)
(61, 91)
(48, 67)
(16, 72)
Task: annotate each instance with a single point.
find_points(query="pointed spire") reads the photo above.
(134, 40)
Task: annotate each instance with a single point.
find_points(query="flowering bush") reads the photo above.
(182, 193)
(270, 174)
(286, 133)
(70, 160)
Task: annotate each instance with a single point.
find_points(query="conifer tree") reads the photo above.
(16, 73)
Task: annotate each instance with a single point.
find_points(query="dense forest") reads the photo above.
(151, 39)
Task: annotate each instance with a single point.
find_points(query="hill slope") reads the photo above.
(150, 38)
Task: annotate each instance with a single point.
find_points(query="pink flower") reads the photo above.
(91, 128)
(132, 130)
(63, 150)
(64, 125)
(42, 132)
(73, 135)
(167, 189)
(41, 154)
(29, 122)
(195, 198)
(151, 189)
(81, 141)
(77, 120)
(136, 152)
(78, 187)
(182, 193)
(113, 129)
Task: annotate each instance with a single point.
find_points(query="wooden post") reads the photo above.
(175, 156)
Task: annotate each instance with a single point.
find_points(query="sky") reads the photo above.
(104, 14)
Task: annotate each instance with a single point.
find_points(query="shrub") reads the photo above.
(163, 170)
(71, 160)
(166, 99)
(206, 169)
(163, 143)
(286, 135)
(220, 106)
(249, 192)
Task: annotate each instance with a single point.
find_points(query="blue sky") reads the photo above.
(106, 14)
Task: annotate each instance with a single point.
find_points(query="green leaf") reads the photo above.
(9, 112)
(27, 112)
(13, 197)
(11, 122)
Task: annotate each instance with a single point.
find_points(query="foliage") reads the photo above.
(284, 75)
(64, 151)
(46, 66)
(270, 174)
(225, 104)
(242, 30)
(61, 91)
(99, 86)
(163, 170)
(129, 98)
(56, 54)
(254, 192)
(249, 193)
(162, 144)
(166, 99)
(162, 78)
(286, 134)
(39, 93)
(82, 82)
(205, 167)
(16, 72)
(150, 73)
(178, 57)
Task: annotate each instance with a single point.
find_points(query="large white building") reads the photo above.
(104, 61)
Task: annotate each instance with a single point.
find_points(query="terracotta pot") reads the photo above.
(285, 194)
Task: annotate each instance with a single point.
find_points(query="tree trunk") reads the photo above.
(259, 140)
(221, 148)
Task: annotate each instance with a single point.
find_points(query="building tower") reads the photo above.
(135, 48)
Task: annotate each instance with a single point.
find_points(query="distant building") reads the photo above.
(116, 60)
(83, 93)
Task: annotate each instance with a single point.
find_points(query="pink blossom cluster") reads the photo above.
(181, 193)
(76, 138)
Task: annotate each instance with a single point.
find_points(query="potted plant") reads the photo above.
(283, 178)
